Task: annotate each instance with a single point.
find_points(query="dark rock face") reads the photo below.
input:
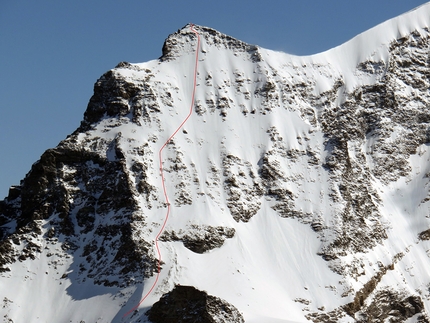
(360, 297)
(425, 235)
(114, 96)
(395, 123)
(186, 304)
(393, 306)
(86, 198)
(200, 238)
(243, 188)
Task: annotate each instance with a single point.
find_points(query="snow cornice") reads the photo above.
(375, 42)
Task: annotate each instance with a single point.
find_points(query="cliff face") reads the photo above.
(299, 186)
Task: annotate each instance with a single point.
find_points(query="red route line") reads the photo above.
(162, 175)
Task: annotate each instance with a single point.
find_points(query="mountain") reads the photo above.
(296, 191)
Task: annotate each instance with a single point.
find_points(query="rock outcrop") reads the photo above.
(187, 304)
(200, 239)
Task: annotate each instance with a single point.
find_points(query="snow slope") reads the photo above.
(323, 224)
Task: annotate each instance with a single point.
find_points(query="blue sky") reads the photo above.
(52, 52)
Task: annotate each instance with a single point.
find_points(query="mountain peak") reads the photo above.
(183, 41)
(298, 188)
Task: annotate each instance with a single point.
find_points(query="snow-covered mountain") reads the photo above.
(298, 189)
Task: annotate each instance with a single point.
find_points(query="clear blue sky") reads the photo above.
(52, 52)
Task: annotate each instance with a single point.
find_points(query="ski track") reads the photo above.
(166, 196)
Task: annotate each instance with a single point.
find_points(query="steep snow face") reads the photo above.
(298, 187)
